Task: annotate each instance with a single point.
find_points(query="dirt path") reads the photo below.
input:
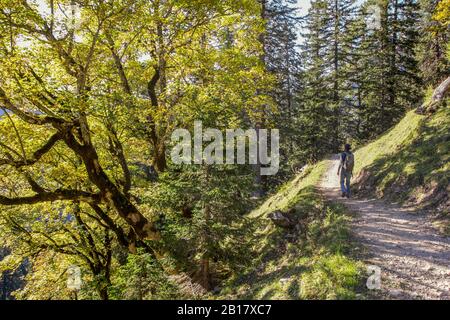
(414, 259)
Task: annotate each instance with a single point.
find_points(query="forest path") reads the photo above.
(413, 257)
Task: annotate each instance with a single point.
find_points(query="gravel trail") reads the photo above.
(413, 257)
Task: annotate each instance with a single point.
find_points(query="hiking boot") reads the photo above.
(347, 196)
(344, 194)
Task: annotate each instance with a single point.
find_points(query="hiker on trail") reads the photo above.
(345, 170)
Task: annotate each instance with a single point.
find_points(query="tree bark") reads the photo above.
(258, 182)
(436, 99)
(109, 191)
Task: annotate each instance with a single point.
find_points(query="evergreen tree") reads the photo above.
(391, 82)
(434, 37)
(283, 62)
(326, 48)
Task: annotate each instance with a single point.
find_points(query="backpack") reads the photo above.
(348, 160)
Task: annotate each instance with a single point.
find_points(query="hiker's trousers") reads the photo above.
(345, 182)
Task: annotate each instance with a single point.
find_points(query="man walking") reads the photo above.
(345, 170)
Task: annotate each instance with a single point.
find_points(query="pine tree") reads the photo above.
(400, 37)
(434, 65)
(314, 114)
(284, 63)
(326, 48)
(386, 75)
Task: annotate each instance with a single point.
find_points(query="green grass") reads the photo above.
(410, 164)
(389, 143)
(289, 194)
(315, 264)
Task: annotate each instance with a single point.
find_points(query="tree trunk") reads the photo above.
(110, 192)
(206, 278)
(103, 293)
(159, 157)
(436, 99)
(337, 121)
(204, 265)
(258, 183)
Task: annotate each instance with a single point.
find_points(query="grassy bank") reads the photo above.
(311, 261)
(316, 260)
(410, 164)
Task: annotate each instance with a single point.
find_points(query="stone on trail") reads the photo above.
(282, 220)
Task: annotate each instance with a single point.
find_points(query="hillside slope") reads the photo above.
(409, 164)
(317, 258)
(412, 255)
(312, 259)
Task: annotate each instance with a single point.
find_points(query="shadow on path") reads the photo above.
(414, 259)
